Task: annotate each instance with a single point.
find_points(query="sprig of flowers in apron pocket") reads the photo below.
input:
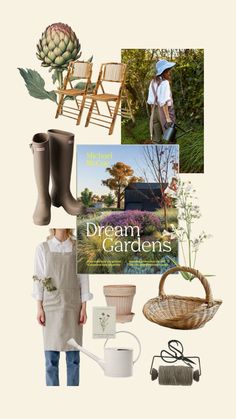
(46, 282)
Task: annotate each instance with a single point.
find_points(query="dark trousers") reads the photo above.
(52, 367)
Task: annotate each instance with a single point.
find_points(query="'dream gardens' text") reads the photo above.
(111, 245)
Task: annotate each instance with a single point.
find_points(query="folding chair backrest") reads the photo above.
(114, 72)
(81, 69)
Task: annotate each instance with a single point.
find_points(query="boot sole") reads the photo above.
(42, 223)
(55, 204)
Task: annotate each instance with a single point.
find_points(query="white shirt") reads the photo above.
(40, 268)
(163, 91)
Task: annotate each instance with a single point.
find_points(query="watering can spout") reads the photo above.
(73, 343)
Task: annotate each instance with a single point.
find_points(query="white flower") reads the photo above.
(168, 191)
(168, 234)
(185, 201)
(196, 244)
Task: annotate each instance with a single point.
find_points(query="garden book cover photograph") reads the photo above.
(129, 218)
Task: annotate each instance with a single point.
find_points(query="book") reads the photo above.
(127, 224)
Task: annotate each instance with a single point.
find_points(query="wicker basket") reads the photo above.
(179, 312)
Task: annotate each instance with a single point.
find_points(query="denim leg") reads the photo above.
(72, 364)
(52, 362)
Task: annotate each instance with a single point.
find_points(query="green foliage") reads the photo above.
(171, 216)
(86, 197)
(109, 200)
(82, 84)
(136, 132)
(150, 229)
(188, 94)
(35, 85)
(48, 284)
(187, 80)
(90, 250)
(188, 87)
(191, 145)
(141, 65)
(192, 153)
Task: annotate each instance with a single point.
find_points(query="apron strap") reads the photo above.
(153, 107)
(154, 92)
(46, 247)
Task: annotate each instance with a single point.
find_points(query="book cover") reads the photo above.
(128, 219)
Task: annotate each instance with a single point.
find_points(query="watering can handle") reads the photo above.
(138, 341)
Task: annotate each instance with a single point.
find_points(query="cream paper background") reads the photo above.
(104, 27)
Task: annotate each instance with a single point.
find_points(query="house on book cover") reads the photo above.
(143, 196)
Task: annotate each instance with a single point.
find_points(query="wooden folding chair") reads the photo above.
(114, 73)
(77, 70)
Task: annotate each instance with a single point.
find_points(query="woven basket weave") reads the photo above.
(179, 312)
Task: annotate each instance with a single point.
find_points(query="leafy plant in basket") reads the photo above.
(184, 199)
(57, 46)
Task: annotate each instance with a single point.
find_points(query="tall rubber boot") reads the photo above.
(61, 157)
(40, 149)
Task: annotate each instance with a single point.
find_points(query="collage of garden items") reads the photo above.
(136, 214)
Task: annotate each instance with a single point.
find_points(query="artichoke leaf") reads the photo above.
(35, 85)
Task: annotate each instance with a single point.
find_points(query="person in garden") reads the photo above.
(161, 101)
(61, 297)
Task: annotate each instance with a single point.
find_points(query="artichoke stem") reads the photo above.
(60, 79)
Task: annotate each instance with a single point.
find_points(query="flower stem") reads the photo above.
(60, 79)
(189, 245)
(182, 248)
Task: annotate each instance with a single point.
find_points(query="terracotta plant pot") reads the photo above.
(121, 297)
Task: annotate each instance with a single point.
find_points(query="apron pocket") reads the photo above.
(51, 298)
(71, 298)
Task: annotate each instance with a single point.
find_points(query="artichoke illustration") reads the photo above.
(58, 46)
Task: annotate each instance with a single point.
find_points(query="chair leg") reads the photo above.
(81, 110)
(109, 109)
(90, 112)
(114, 116)
(98, 110)
(60, 105)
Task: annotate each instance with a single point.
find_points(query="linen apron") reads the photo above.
(62, 306)
(157, 118)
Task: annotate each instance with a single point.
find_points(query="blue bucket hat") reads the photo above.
(163, 65)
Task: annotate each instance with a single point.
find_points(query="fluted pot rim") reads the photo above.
(119, 290)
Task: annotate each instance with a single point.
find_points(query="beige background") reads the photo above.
(104, 28)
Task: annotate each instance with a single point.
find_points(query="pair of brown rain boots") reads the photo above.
(53, 155)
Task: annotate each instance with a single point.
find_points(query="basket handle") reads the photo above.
(196, 273)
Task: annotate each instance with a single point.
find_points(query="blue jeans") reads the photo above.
(52, 367)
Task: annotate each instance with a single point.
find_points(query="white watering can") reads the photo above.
(117, 362)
